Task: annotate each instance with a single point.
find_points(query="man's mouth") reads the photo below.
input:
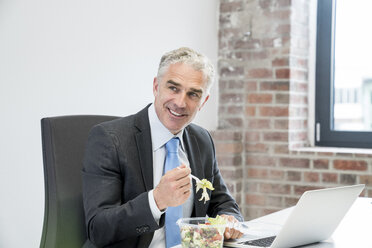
(174, 113)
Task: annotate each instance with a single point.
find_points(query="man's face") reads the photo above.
(179, 96)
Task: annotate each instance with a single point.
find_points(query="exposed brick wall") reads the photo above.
(263, 109)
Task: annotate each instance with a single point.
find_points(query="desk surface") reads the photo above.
(355, 230)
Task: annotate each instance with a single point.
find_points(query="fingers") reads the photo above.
(174, 187)
(231, 232)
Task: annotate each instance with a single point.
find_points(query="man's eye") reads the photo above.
(172, 88)
(194, 95)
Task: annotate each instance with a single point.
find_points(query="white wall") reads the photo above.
(66, 57)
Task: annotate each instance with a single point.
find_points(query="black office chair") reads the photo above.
(63, 140)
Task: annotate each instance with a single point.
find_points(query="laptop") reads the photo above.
(314, 218)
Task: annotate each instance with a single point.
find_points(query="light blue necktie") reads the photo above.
(172, 214)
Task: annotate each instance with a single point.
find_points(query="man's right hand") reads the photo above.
(174, 188)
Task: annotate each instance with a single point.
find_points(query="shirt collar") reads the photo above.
(160, 135)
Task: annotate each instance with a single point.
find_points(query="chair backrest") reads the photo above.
(63, 141)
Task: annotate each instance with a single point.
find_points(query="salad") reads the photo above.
(204, 184)
(208, 233)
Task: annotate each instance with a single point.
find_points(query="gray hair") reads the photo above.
(188, 56)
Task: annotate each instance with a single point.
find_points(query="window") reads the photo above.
(343, 111)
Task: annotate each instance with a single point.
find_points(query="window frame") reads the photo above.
(324, 79)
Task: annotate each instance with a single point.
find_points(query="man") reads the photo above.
(128, 195)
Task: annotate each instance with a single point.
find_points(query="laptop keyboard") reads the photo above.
(264, 242)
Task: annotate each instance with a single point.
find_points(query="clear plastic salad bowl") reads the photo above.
(200, 233)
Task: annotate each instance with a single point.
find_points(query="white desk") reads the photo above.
(354, 231)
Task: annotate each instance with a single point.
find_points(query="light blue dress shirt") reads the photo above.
(160, 135)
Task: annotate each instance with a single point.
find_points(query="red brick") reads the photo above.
(257, 173)
(229, 148)
(294, 162)
(231, 122)
(265, 4)
(231, 187)
(281, 124)
(281, 149)
(299, 190)
(226, 135)
(259, 98)
(231, 98)
(348, 179)
(278, 15)
(235, 84)
(321, 164)
(251, 187)
(233, 110)
(250, 111)
(290, 201)
(274, 86)
(276, 136)
(283, 29)
(355, 165)
(329, 177)
(366, 179)
(259, 124)
(227, 160)
(250, 86)
(252, 199)
(293, 176)
(276, 174)
(273, 111)
(326, 154)
(230, 7)
(282, 98)
(282, 73)
(311, 177)
(259, 160)
(247, 43)
(231, 174)
(252, 136)
(268, 210)
(231, 71)
(274, 188)
(252, 212)
(252, 55)
(280, 62)
(257, 147)
(259, 73)
(221, 110)
(343, 154)
(274, 201)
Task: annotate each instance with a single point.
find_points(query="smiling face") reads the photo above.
(179, 95)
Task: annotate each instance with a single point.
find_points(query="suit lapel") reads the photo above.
(193, 154)
(144, 147)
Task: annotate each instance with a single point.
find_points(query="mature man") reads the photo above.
(134, 189)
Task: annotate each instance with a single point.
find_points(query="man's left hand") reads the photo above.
(231, 233)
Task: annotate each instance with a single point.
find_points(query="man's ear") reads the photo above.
(155, 86)
(205, 100)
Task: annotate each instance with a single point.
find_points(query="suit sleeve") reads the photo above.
(221, 201)
(109, 219)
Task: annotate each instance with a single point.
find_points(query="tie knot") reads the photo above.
(172, 145)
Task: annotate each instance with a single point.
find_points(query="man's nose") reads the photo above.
(180, 100)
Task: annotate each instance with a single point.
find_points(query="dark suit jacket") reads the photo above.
(118, 174)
